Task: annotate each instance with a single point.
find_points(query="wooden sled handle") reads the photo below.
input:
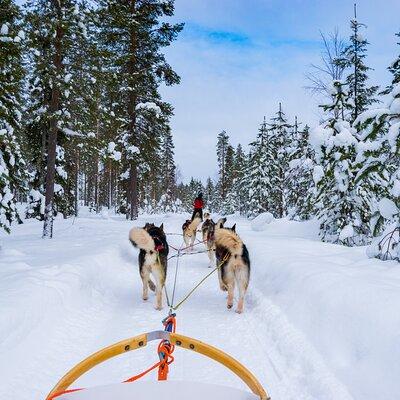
(178, 340)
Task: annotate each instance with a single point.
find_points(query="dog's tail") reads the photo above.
(194, 224)
(229, 240)
(140, 238)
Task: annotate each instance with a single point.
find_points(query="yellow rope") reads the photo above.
(209, 274)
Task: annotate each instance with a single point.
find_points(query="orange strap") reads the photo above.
(164, 350)
(64, 392)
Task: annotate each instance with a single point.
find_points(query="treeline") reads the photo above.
(81, 117)
(345, 171)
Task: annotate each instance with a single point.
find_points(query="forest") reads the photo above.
(83, 124)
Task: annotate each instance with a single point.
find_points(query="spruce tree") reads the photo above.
(340, 209)
(12, 165)
(168, 176)
(394, 69)
(354, 59)
(257, 177)
(299, 180)
(132, 35)
(54, 29)
(210, 195)
(236, 198)
(223, 147)
(278, 158)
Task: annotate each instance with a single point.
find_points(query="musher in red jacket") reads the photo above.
(198, 205)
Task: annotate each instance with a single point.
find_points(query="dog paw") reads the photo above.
(238, 311)
(145, 298)
(158, 308)
(229, 306)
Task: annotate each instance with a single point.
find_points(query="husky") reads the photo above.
(235, 268)
(208, 230)
(152, 242)
(189, 229)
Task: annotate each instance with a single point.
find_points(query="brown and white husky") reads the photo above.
(208, 230)
(235, 268)
(189, 229)
(152, 242)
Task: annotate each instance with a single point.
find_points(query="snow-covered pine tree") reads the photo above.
(210, 195)
(257, 178)
(88, 113)
(223, 147)
(194, 188)
(379, 159)
(353, 58)
(394, 69)
(168, 176)
(340, 208)
(278, 159)
(53, 32)
(236, 197)
(132, 35)
(12, 166)
(299, 181)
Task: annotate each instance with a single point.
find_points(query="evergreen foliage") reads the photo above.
(12, 165)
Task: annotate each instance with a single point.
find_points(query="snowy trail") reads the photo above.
(82, 293)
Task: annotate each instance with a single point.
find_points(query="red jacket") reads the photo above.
(198, 203)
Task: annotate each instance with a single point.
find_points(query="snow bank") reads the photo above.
(346, 305)
(259, 222)
(321, 321)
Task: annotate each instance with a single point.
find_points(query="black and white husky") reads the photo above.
(152, 242)
(235, 268)
(189, 229)
(208, 230)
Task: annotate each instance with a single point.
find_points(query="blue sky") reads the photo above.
(239, 58)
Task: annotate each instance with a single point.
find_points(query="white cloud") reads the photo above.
(231, 86)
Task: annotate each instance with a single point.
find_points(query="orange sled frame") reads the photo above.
(178, 340)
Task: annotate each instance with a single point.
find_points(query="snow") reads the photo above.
(4, 29)
(321, 321)
(387, 208)
(318, 174)
(149, 106)
(346, 233)
(70, 132)
(111, 147)
(259, 223)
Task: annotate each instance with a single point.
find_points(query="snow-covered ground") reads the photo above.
(321, 321)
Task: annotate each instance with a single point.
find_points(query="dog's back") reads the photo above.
(153, 257)
(234, 264)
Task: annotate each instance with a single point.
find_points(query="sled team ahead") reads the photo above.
(224, 247)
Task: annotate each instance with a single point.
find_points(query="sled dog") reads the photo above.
(208, 230)
(152, 242)
(235, 268)
(189, 229)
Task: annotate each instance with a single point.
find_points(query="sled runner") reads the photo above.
(162, 388)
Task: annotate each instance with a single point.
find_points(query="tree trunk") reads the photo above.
(76, 203)
(52, 142)
(133, 184)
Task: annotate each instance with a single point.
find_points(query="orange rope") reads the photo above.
(164, 350)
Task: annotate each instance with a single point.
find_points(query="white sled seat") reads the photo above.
(168, 390)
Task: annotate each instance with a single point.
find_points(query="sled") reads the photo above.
(168, 390)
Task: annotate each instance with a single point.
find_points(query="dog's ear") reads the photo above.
(162, 226)
(234, 228)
